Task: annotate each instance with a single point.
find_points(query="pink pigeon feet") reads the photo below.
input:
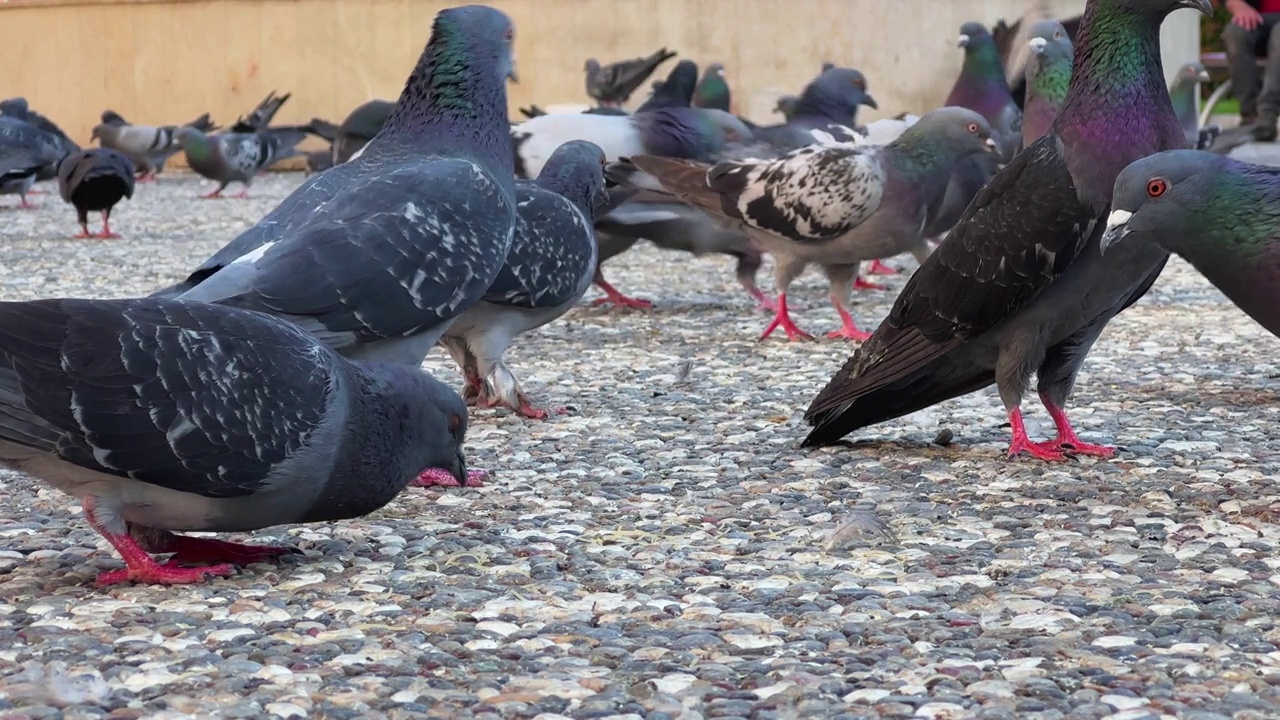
(1067, 439)
(141, 567)
(1047, 451)
(879, 268)
(472, 388)
(782, 319)
(766, 302)
(525, 407)
(860, 284)
(188, 550)
(613, 297)
(848, 328)
(439, 477)
(217, 195)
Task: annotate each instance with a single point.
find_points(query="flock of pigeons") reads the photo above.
(281, 381)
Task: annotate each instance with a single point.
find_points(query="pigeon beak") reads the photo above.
(512, 75)
(1203, 76)
(992, 147)
(459, 469)
(963, 41)
(870, 102)
(1038, 45)
(1204, 6)
(1117, 228)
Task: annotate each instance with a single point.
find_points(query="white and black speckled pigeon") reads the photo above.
(681, 132)
(378, 255)
(835, 205)
(147, 146)
(236, 157)
(548, 268)
(164, 416)
(25, 152)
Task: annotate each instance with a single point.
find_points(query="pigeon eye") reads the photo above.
(455, 422)
(509, 35)
(1156, 187)
(973, 128)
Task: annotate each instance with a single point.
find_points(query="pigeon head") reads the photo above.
(957, 131)
(111, 117)
(456, 95)
(712, 90)
(428, 414)
(1176, 194)
(592, 65)
(834, 96)
(982, 65)
(974, 36)
(576, 171)
(16, 108)
(1193, 73)
(1049, 42)
(786, 105)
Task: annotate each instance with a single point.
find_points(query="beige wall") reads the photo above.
(163, 61)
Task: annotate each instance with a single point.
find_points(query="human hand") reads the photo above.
(1243, 14)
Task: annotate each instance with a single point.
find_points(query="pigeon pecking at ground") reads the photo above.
(549, 267)
(236, 156)
(835, 205)
(1048, 76)
(1219, 214)
(25, 152)
(132, 407)
(95, 179)
(1183, 91)
(612, 85)
(713, 90)
(982, 87)
(1019, 286)
(148, 147)
(692, 133)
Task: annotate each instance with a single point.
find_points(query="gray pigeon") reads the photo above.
(836, 205)
(18, 107)
(25, 150)
(681, 132)
(676, 90)
(833, 98)
(1219, 214)
(1019, 286)
(548, 268)
(164, 416)
(1183, 91)
(95, 179)
(982, 87)
(147, 146)
(377, 256)
(1047, 77)
(612, 85)
(236, 157)
(358, 128)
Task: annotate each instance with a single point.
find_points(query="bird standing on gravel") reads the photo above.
(549, 267)
(236, 157)
(148, 147)
(1019, 286)
(1220, 215)
(25, 151)
(163, 416)
(836, 205)
(95, 179)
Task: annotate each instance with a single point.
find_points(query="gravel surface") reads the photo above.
(665, 550)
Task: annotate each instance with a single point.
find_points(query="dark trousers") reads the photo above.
(1244, 47)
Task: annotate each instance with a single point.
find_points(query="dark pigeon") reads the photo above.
(713, 90)
(1019, 285)
(548, 268)
(66, 145)
(95, 180)
(833, 98)
(261, 116)
(164, 416)
(358, 128)
(25, 151)
(613, 84)
(982, 87)
(833, 205)
(676, 91)
(1219, 214)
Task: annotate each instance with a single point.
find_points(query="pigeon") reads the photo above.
(1048, 74)
(18, 107)
(676, 91)
(786, 106)
(261, 116)
(148, 147)
(981, 86)
(1183, 92)
(672, 226)
(836, 205)
(95, 179)
(378, 255)
(833, 98)
(164, 416)
(234, 156)
(1019, 285)
(549, 267)
(1219, 214)
(25, 150)
(358, 128)
(613, 84)
(1011, 45)
(673, 132)
(712, 90)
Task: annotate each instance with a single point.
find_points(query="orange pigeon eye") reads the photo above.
(1157, 187)
(973, 128)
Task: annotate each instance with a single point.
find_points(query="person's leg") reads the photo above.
(1269, 99)
(1242, 56)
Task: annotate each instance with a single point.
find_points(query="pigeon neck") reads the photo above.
(981, 85)
(453, 105)
(1048, 81)
(713, 93)
(1117, 108)
(1183, 97)
(197, 146)
(920, 152)
(1241, 209)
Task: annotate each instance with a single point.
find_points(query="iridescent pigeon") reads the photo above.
(1048, 75)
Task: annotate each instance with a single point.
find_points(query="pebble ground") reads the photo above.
(665, 550)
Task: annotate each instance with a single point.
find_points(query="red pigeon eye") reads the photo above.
(1157, 187)
(973, 128)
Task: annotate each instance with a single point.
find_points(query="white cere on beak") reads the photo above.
(964, 40)
(1037, 45)
(1118, 218)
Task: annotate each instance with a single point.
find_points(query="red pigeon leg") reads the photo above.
(860, 284)
(188, 549)
(879, 268)
(848, 328)
(1067, 439)
(1047, 451)
(215, 195)
(613, 297)
(23, 204)
(141, 567)
(84, 232)
(442, 478)
(782, 319)
(106, 233)
(243, 194)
